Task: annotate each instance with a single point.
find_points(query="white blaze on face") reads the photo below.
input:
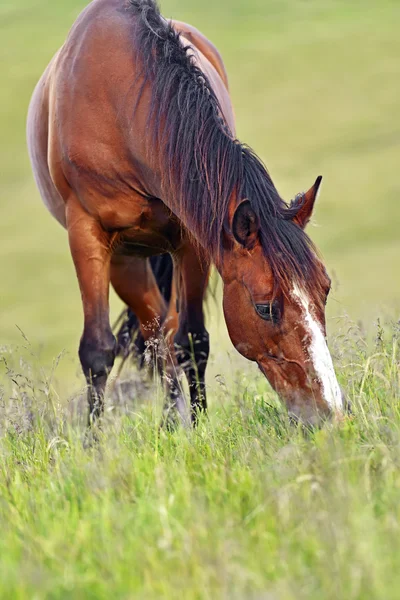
(320, 355)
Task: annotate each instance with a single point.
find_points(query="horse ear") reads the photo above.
(245, 224)
(307, 202)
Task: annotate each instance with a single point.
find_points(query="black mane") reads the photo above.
(203, 165)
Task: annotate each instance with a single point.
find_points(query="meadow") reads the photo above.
(248, 506)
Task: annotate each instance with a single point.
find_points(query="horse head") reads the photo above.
(275, 309)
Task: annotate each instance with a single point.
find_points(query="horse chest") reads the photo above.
(145, 230)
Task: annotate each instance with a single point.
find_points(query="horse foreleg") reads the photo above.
(90, 249)
(175, 397)
(192, 340)
(134, 282)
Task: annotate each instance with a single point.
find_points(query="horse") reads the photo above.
(131, 136)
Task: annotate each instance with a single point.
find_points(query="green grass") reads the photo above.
(247, 506)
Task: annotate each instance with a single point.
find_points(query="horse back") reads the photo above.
(87, 131)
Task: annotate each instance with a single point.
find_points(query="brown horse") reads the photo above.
(131, 136)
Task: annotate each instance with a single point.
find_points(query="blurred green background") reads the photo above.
(316, 87)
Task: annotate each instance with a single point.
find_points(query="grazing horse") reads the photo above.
(131, 136)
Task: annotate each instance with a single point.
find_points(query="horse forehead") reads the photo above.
(256, 270)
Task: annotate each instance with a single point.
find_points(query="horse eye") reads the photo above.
(268, 312)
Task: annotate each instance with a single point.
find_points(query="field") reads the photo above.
(248, 506)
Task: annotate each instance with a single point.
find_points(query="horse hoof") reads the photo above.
(170, 421)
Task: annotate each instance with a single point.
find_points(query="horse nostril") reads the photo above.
(346, 403)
